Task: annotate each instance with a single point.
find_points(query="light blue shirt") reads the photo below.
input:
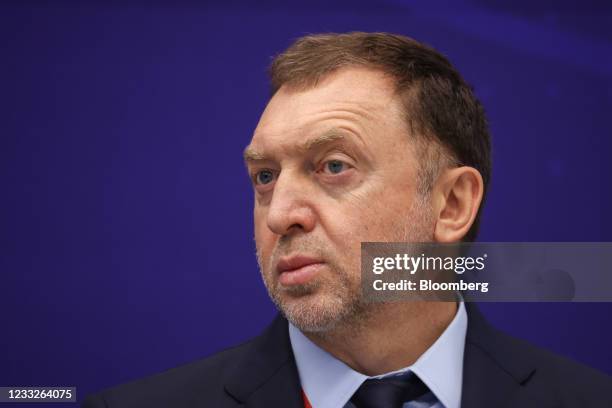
(329, 383)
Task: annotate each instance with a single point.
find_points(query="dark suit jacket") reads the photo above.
(499, 371)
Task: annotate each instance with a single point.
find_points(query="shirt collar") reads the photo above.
(329, 383)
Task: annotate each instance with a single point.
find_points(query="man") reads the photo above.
(367, 137)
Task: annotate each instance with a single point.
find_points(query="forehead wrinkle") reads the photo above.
(361, 115)
(361, 108)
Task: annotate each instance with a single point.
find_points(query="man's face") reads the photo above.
(332, 166)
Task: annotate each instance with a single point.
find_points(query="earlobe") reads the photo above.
(459, 191)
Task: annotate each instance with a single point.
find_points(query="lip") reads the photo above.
(298, 269)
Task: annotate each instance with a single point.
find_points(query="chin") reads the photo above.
(314, 313)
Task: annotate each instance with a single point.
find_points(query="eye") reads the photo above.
(335, 167)
(264, 177)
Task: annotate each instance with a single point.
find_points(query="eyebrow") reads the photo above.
(330, 136)
(251, 155)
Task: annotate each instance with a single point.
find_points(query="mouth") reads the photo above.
(298, 269)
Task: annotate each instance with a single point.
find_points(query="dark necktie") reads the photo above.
(388, 392)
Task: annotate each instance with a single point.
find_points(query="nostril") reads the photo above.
(295, 227)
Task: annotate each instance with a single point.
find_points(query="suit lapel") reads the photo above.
(267, 376)
(495, 371)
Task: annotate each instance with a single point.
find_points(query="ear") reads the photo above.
(457, 195)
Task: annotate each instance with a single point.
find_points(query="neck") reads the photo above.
(389, 337)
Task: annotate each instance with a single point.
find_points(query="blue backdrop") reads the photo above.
(126, 213)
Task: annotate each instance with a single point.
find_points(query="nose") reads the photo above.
(290, 209)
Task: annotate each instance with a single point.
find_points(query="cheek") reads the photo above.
(348, 224)
(264, 241)
(371, 218)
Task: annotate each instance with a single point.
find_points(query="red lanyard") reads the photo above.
(306, 402)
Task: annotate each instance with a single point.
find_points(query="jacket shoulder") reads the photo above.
(501, 368)
(573, 383)
(198, 383)
(554, 377)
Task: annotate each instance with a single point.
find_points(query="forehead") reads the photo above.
(362, 100)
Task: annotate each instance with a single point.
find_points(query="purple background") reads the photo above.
(125, 223)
